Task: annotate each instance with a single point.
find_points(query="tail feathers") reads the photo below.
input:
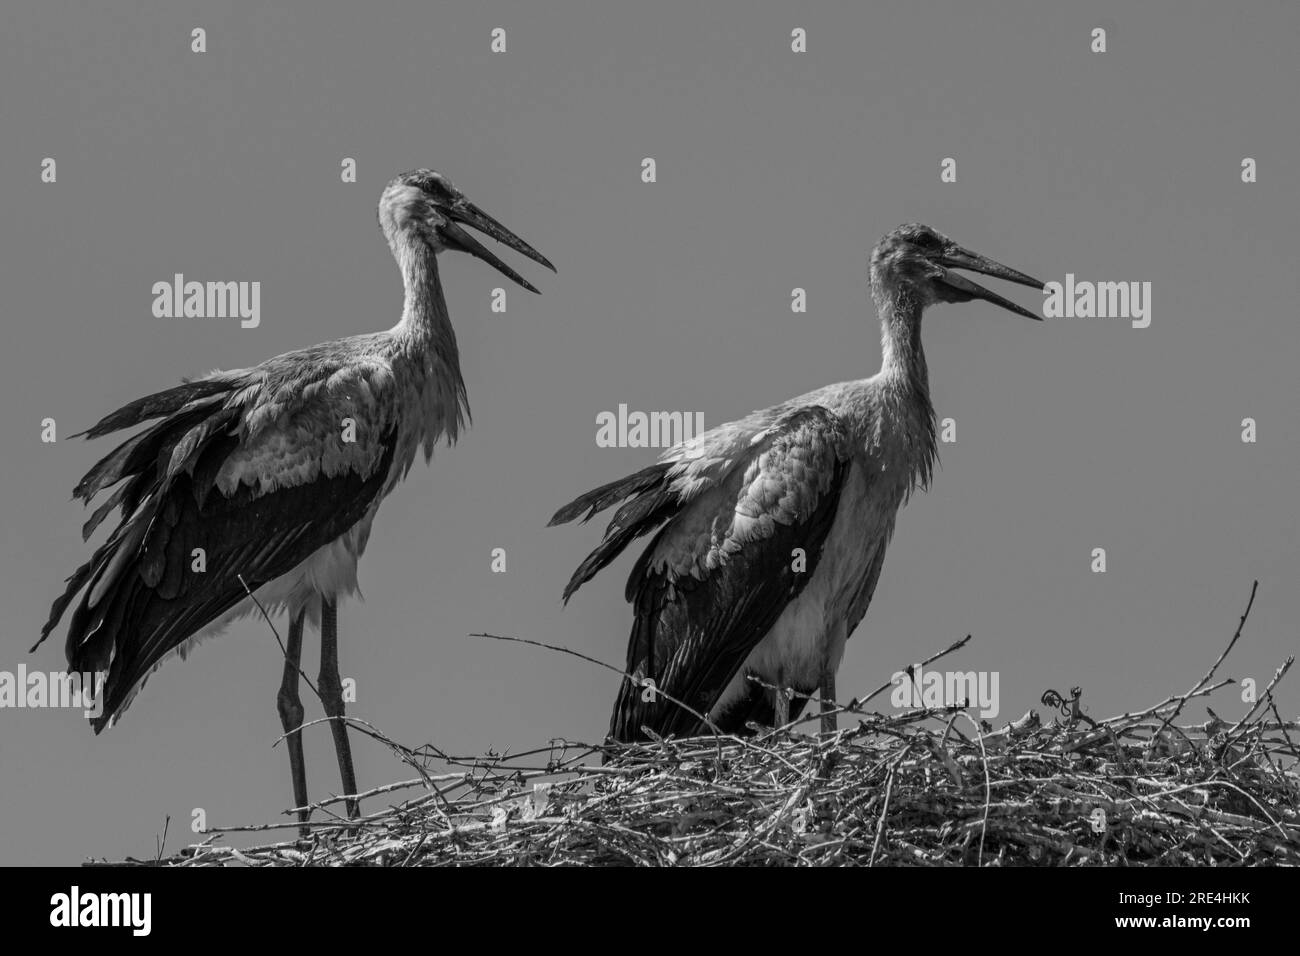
(156, 405)
(100, 513)
(76, 582)
(94, 642)
(652, 503)
(161, 451)
(131, 457)
(601, 498)
(146, 463)
(630, 713)
(146, 450)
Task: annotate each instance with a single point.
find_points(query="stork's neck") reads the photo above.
(901, 355)
(425, 320)
(426, 337)
(906, 381)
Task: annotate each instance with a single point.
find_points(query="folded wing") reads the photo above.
(251, 468)
(734, 505)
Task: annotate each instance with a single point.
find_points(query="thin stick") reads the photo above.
(1209, 675)
(591, 660)
(284, 651)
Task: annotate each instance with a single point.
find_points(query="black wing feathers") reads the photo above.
(138, 463)
(601, 498)
(692, 636)
(156, 405)
(157, 602)
(651, 504)
(148, 598)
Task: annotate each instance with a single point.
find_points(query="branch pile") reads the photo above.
(929, 787)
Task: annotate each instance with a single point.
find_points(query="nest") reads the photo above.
(928, 787)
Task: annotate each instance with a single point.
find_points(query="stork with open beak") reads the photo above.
(275, 472)
(770, 532)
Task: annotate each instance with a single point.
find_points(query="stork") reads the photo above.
(275, 472)
(772, 529)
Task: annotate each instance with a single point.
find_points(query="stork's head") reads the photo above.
(423, 206)
(917, 263)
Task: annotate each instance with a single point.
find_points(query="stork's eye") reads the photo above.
(437, 188)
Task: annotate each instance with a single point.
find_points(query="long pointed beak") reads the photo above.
(468, 213)
(965, 259)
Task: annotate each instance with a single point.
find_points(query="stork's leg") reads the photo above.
(782, 708)
(827, 695)
(331, 695)
(290, 707)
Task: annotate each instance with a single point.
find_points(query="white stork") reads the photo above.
(276, 472)
(721, 593)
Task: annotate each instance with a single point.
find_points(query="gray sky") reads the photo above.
(775, 170)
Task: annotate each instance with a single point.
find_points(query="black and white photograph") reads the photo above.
(633, 435)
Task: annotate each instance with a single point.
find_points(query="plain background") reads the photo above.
(775, 170)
